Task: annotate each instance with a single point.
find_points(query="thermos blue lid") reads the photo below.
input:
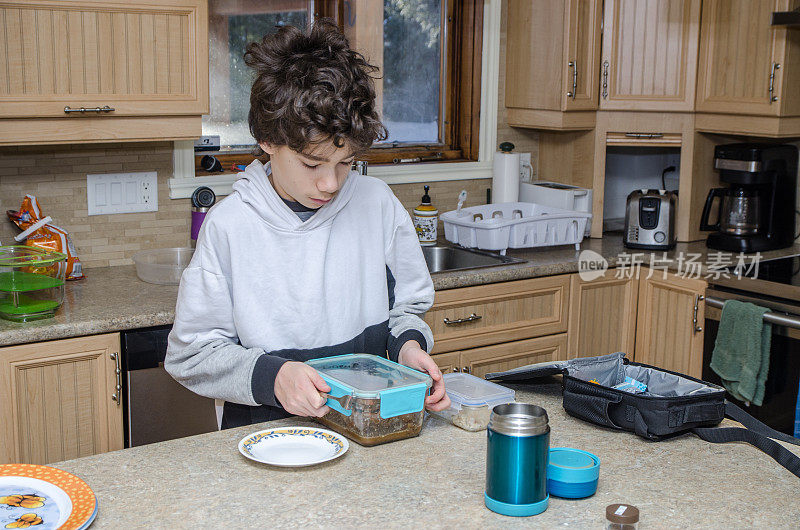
(572, 473)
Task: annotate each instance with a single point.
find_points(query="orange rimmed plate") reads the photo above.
(43, 497)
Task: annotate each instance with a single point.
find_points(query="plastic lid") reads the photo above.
(368, 375)
(622, 513)
(572, 473)
(466, 389)
(25, 256)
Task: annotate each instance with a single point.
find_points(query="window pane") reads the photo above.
(411, 69)
(233, 24)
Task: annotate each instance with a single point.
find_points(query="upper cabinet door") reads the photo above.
(742, 58)
(649, 59)
(137, 58)
(534, 54)
(582, 45)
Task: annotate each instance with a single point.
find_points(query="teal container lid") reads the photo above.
(572, 473)
(401, 389)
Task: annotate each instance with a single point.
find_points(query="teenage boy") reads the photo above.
(305, 258)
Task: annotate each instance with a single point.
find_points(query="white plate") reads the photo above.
(46, 501)
(293, 446)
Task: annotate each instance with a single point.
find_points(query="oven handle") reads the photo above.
(769, 316)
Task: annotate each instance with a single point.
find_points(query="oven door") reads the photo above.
(783, 379)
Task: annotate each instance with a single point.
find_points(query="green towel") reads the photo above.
(741, 351)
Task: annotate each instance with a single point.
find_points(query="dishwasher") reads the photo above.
(156, 407)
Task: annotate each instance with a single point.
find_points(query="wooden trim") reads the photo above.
(620, 139)
(469, 30)
(42, 131)
(768, 126)
(551, 119)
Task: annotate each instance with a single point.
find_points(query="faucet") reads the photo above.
(360, 166)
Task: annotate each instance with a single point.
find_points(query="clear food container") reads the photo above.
(387, 399)
(472, 400)
(31, 282)
(162, 266)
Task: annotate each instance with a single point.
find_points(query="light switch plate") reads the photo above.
(122, 192)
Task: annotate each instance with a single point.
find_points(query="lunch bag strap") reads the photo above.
(756, 434)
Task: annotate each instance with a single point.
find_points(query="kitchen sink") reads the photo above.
(443, 259)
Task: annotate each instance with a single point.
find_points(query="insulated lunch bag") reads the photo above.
(612, 391)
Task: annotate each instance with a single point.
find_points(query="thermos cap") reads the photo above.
(572, 473)
(518, 419)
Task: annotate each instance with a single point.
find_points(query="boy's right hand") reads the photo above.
(297, 388)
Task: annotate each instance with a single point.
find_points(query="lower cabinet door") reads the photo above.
(669, 328)
(602, 315)
(59, 399)
(501, 357)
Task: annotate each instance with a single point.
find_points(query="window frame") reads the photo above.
(461, 56)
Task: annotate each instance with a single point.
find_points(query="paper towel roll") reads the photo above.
(505, 177)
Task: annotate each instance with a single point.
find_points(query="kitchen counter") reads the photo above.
(434, 480)
(114, 299)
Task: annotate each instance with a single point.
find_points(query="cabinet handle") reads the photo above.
(605, 79)
(644, 135)
(695, 327)
(466, 370)
(574, 66)
(772, 96)
(104, 108)
(470, 318)
(116, 396)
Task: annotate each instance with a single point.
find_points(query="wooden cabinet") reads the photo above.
(140, 69)
(649, 54)
(602, 315)
(56, 399)
(551, 63)
(669, 324)
(477, 316)
(748, 67)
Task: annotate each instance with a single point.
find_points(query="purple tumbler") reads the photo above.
(203, 198)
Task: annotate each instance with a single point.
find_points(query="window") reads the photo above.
(428, 52)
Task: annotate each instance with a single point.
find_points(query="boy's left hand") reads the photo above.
(415, 357)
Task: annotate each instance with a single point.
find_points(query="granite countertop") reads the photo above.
(113, 299)
(435, 480)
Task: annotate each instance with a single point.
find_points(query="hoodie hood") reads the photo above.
(256, 191)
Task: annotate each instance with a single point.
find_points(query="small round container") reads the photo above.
(162, 266)
(622, 517)
(572, 473)
(31, 282)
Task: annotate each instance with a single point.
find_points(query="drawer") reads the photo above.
(501, 312)
(501, 357)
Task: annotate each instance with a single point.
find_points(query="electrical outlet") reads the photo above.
(526, 171)
(122, 192)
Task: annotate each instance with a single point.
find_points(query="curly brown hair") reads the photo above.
(311, 87)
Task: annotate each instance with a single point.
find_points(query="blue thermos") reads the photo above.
(516, 459)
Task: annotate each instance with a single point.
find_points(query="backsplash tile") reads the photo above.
(57, 176)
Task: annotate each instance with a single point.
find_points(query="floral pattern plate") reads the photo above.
(293, 446)
(44, 497)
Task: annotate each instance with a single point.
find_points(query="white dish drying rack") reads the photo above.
(514, 225)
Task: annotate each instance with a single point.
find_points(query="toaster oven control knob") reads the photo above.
(660, 237)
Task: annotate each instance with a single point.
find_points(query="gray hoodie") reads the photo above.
(265, 287)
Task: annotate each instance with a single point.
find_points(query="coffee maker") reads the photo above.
(757, 209)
